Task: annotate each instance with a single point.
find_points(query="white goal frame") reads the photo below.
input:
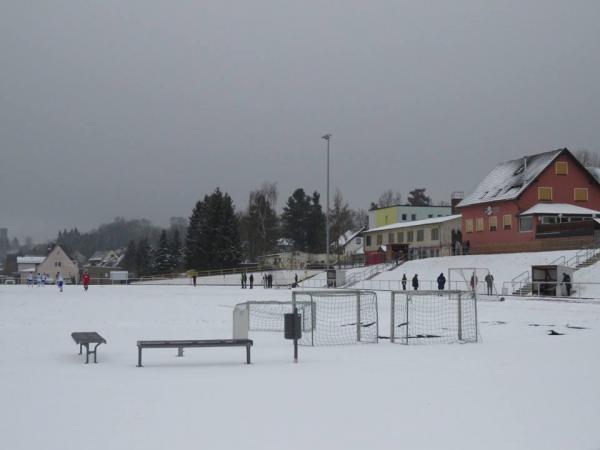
(460, 323)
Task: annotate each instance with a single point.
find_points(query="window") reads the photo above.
(435, 234)
(581, 194)
(479, 224)
(403, 216)
(430, 216)
(525, 223)
(469, 225)
(561, 168)
(390, 238)
(544, 193)
(358, 241)
(549, 219)
(420, 235)
(413, 217)
(507, 221)
(379, 239)
(56, 263)
(400, 237)
(493, 222)
(410, 236)
(368, 241)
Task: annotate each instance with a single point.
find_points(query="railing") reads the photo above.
(521, 280)
(560, 290)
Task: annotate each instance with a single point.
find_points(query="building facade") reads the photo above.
(411, 239)
(541, 202)
(405, 213)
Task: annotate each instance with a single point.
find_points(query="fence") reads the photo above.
(578, 290)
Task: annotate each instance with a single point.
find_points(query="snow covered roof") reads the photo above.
(558, 208)
(30, 259)
(348, 236)
(595, 171)
(509, 179)
(415, 223)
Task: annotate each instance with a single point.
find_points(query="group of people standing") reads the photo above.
(248, 281)
(441, 282)
(42, 279)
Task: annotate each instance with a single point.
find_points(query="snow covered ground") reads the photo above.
(519, 388)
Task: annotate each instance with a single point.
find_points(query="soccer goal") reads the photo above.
(344, 316)
(423, 317)
(471, 279)
(266, 316)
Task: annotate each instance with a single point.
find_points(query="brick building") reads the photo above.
(547, 201)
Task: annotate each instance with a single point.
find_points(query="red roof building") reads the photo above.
(547, 201)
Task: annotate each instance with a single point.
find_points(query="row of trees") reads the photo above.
(144, 259)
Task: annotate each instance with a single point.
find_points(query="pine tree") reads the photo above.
(143, 258)
(162, 256)
(316, 226)
(213, 237)
(129, 260)
(175, 250)
(417, 197)
(294, 219)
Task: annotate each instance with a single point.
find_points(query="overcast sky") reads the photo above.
(139, 108)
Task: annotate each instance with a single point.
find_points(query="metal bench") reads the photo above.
(181, 344)
(85, 338)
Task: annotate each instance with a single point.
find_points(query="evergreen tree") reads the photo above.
(161, 257)
(175, 250)
(213, 237)
(129, 259)
(417, 197)
(315, 226)
(294, 219)
(143, 258)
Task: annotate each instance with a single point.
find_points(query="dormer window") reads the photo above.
(519, 170)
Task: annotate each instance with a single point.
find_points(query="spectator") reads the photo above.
(415, 282)
(567, 281)
(404, 282)
(251, 280)
(489, 282)
(86, 280)
(441, 281)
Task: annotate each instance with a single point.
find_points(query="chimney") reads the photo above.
(455, 199)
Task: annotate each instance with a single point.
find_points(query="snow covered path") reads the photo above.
(519, 388)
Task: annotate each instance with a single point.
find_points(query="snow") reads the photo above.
(503, 266)
(509, 179)
(558, 208)
(518, 388)
(415, 223)
(30, 259)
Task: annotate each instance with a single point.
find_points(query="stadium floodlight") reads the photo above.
(327, 137)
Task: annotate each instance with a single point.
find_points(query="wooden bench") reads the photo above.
(85, 338)
(181, 344)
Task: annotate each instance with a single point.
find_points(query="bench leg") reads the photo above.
(87, 353)
(139, 364)
(180, 351)
(247, 354)
(95, 351)
(80, 349)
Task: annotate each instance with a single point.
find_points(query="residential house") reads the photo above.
(546, 201)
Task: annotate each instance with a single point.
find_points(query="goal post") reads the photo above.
(471, 279)
(343, 316)
(266, 316)
(421, 317)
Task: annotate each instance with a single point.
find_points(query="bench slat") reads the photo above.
(87, 337)
(196, 343)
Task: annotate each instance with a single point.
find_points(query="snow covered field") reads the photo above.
(519, 388)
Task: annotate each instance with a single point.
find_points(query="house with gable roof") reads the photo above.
(547, 201)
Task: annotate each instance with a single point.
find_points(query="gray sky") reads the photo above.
(139, 108)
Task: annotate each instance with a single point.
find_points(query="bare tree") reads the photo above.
(340, 221)
(388, 198)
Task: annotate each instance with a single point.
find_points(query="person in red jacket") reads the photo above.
(86, 280)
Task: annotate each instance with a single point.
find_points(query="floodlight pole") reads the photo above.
(327, 137)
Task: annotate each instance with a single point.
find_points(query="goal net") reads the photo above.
(423, 317)
(472, 279)
(338, 316)
(266, 316)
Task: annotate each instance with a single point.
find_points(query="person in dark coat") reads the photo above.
(251, 280)
(441, 282)
(404, 282)
(567, 280)
(296, 278)
(415, 282)
(243, 281)
(489, 282)
(270, 280)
